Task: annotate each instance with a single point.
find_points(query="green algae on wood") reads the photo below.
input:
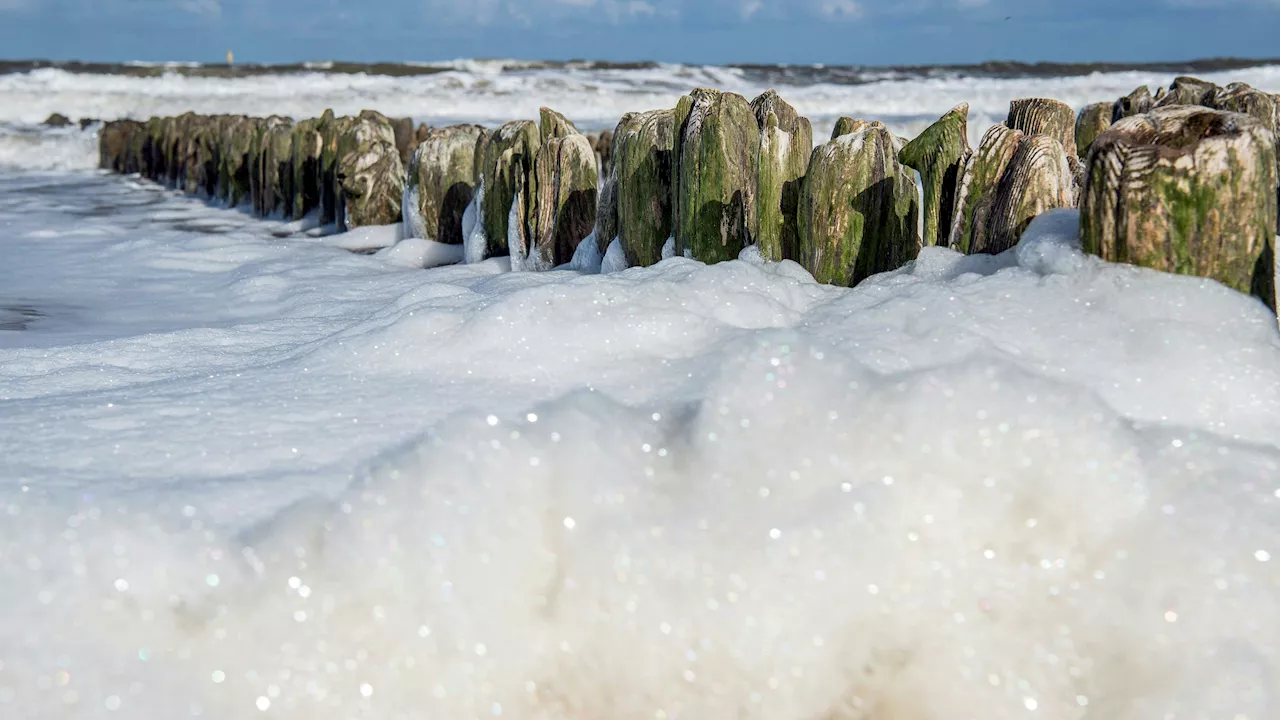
(552, 124)
(1184, 189)
(264, 168)
(607, 206)
(202, 156)
(509, 155)
(715, 161)
(563, 210)
(441, 183)
(642, 147)
(331, 131)
(859, 209)
(1092, 121)
(848, 126)
(114, 140)
(152, 160)
(174, 149)
(786, 143)
(369, 173)
(233, 172)
(277, 171)
(306, 148)
(940, 154)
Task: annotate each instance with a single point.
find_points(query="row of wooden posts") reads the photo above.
(1183, 181)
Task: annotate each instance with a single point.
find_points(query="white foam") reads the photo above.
(669, 247)
(248, 472)
(615, 258)
(475, 242)
(515, 235)
(411, 214)
(43, 149)
(419, 253)
(368, 238)
(586, 257)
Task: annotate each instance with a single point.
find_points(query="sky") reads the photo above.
(860, 32)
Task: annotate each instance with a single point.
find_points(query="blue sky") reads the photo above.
(705, 31)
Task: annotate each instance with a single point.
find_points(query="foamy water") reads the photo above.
(249, 476)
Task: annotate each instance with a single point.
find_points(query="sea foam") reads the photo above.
(258, 477)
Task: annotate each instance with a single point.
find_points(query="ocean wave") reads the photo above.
(492, 92)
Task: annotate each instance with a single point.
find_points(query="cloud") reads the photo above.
(201, 8)
(841, 9)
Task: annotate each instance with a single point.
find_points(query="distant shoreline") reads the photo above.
(790, 74)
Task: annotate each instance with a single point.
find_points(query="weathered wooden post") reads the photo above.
(641, 178)
(1044, 116)
(716, 160)
(565, 179)
(786, 143)
(1190, 91)
(369, 173)
(607, 204)
(331, 131)
(441, 183)
(1188, 190)
(1009, 180)
(847, 126)
(509, 156)
(306, 146)
(940, 154)
(1038, 178)
(277, 174)
(113, 140)
(858, 209)
(552, 124)
(981, 177)
(1092, 121)
(1135, 103)
(404, 132)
